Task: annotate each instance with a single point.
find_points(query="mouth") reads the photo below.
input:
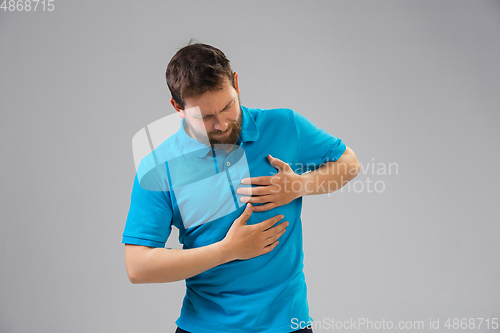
(223, 133)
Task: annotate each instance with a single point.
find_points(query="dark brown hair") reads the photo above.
(195, 69)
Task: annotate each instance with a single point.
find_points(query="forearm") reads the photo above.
(331, 176)
(160, 265)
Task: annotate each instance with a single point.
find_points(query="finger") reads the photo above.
(260, 190)
(263, 208)
(276, 230)
(271, 247)
(263, 180)
(267, 224)
(277, 163)
(257, 199)
(247, 212)
(274, 238)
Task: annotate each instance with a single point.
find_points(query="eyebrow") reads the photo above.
(227, 106)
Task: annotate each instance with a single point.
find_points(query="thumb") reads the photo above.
(246, 214)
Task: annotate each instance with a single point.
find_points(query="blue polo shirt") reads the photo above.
(186, 184)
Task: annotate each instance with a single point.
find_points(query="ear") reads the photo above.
(177, 108)
(236, 82)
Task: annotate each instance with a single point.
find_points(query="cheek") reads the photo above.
(233, 116)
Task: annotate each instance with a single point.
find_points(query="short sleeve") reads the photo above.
(149, 220)
(316, 146)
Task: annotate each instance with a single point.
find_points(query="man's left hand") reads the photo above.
(276, 190)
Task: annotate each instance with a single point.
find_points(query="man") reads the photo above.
(231, 180)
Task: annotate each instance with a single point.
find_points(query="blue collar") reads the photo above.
(249, 132)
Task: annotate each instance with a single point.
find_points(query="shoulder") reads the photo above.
(282, 115)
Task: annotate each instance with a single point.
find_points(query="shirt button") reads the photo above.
(228, 164)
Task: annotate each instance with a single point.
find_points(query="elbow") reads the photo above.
(350, 163)
(133, 279)
(354, 164)
(133, 276)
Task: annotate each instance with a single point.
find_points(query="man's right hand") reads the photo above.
(245, 241)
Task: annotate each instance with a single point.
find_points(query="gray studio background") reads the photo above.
(413, 83)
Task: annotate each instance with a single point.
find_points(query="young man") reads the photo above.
(231, 180)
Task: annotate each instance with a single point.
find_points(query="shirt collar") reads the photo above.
(249, 132)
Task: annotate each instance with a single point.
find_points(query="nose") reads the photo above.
(220, 125)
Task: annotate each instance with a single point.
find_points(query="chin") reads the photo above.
(226, 139)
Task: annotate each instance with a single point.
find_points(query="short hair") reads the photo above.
(195, 69)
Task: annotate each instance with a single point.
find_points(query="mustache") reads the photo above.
(230, 127)
(220, 132)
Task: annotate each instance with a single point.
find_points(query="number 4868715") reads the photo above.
(27, 5)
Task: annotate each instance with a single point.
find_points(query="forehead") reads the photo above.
(211, 102)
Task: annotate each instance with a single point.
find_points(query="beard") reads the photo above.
(221, 142)
(230, 138)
